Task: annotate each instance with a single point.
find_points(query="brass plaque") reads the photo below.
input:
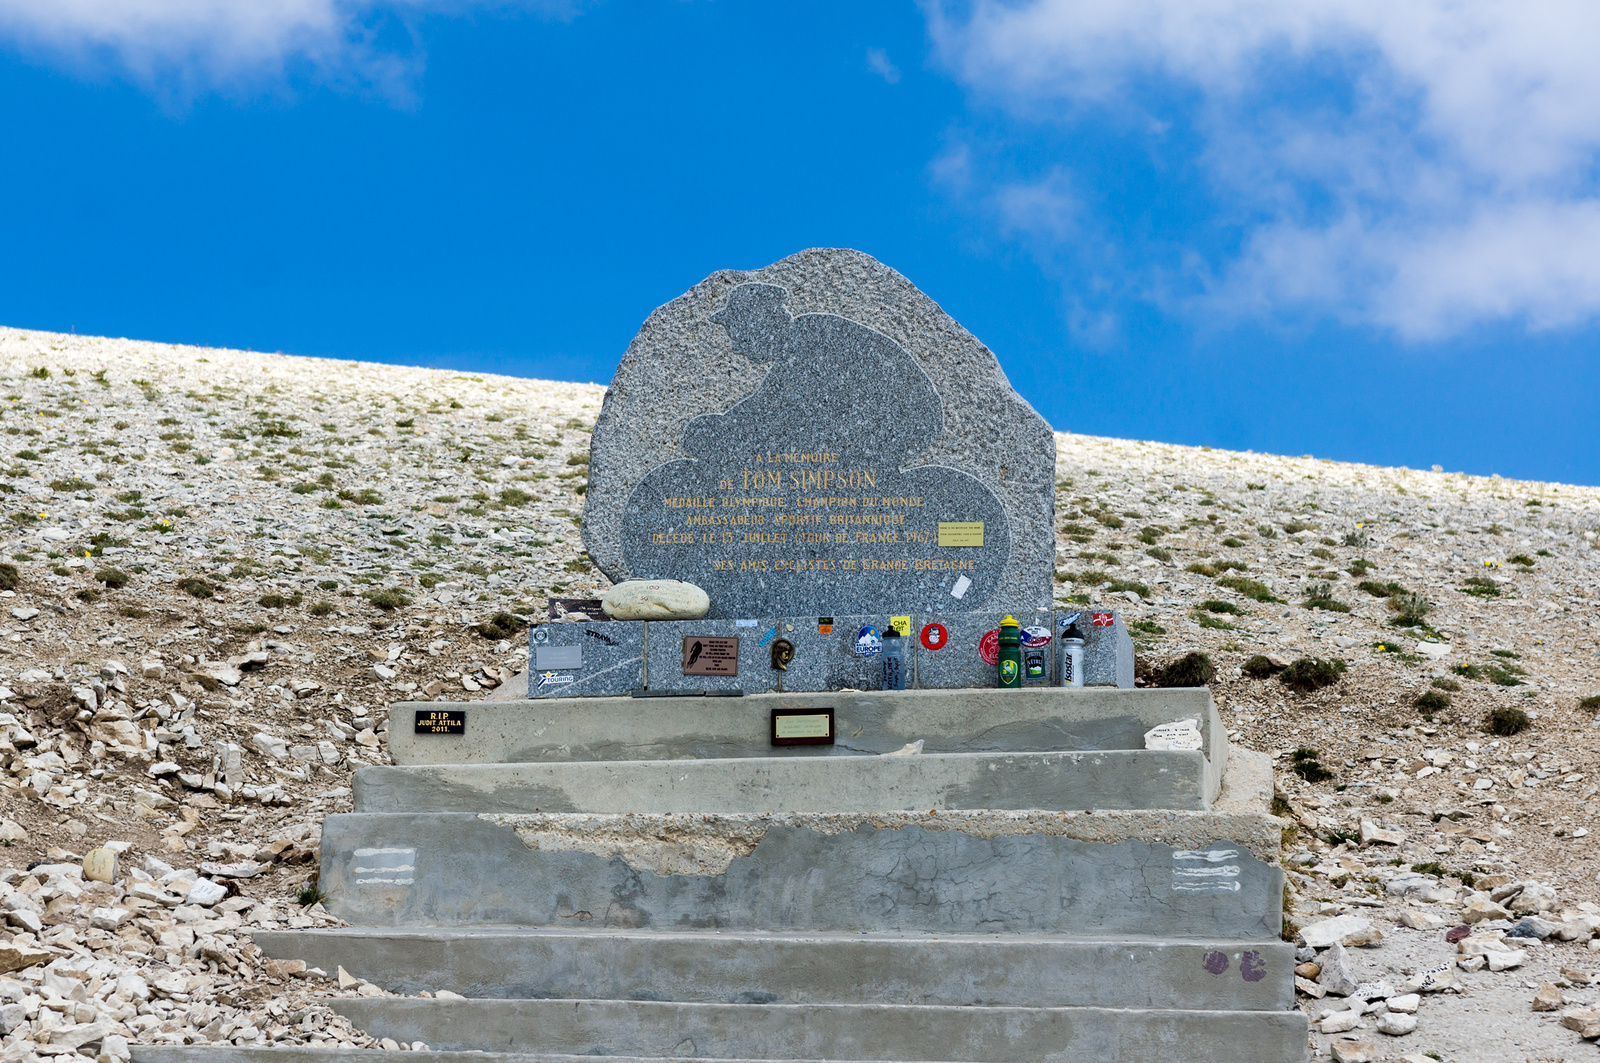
(441, 721)
(711, 655)
(961, 533)
(802, 727)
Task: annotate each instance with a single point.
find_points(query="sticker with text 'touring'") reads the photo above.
(553, 679)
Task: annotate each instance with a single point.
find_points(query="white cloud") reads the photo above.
(1442, 176)
(878, 63)
(189, 45)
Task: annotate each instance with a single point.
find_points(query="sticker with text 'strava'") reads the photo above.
(989, 647)
(1104, 619)
(934, 637)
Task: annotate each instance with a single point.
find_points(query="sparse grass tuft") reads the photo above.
(1431, 701)
(114, 578)
(1320, 596)
(1260, 666)
(195, 587)
(1191, 670)
(1480, 587)
(1304, 763)
(1249, 588)
(499, 626)
(1306, 674)
(1505, 721)
(387, 598)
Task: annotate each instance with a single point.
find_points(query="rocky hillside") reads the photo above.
(220, 568)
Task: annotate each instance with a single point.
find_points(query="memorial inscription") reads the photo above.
(785, 498)
(818, 437)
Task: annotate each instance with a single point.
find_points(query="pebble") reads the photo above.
(1396, 1023)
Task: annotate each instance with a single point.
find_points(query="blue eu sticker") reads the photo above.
(868, 642)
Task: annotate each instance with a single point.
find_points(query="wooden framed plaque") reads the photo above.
(802, 727)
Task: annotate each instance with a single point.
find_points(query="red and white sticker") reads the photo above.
(934, 637)
(989, 648)
(1104, 619)
(1034, 637)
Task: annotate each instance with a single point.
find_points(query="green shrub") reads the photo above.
(1191, 670)
(1431, 701)
(1249, 588)
(1159, 554)
(1211, 605)
(321, 608)
(1381, 590)
(195, 587)
(1521, 559)
(1410, 609)
(1480, 587)
(1200, 568)
(1320, 596)
(1307, 674)
(1149, 627)
(500, 626)
(1113, 586)
(113, 578)
(274, 600)
(9, 577)
(1590, 702)
(1505, 721)
(365, 497)
(1323, 552)
(1232, 543)
(513, 496)
(1296, 526)
(387, 598)
(1305, 764)
(1260, 666)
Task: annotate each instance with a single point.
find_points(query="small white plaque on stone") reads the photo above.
(1185, 734)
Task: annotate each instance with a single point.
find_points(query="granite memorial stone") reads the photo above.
(819, 437)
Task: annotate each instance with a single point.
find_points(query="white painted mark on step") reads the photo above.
(1203, 871)
(384, 867)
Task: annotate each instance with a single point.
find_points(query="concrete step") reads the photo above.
(1031, 720)
(298, 1054)
(836, 1032)
(735, 968)
(1104, 779)
(1157, 873)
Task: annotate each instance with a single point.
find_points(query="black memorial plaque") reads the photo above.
(441, 721)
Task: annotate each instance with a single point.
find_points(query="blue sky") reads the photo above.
(1338, 228)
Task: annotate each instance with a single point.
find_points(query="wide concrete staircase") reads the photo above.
(651, 879)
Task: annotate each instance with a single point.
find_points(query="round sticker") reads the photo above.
(989, 648)
(934, 636)
(1034, 637)
(868, 642)
(1104, 619)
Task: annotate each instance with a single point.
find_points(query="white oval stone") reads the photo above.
(655, 599)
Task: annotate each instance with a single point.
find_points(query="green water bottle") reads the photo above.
(1010, 653)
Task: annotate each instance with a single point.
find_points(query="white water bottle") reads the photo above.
(1072, 655)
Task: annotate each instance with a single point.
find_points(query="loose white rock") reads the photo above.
(655, 599)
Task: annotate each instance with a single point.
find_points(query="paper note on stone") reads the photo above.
(818, 437)
(1185, 734)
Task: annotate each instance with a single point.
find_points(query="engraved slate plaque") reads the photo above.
(819, 437)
